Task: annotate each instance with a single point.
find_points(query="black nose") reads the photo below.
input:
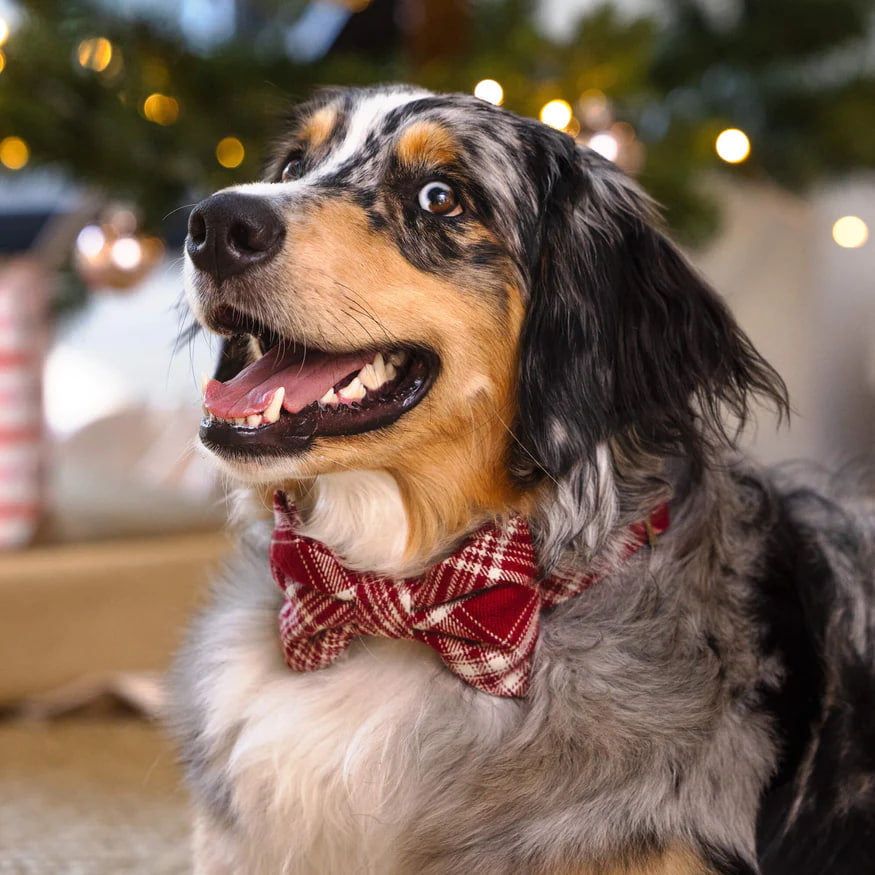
(230, 232)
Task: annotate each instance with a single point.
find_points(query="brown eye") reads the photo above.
(293, 170)
(440, 199)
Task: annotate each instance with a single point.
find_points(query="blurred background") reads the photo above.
(751, 121)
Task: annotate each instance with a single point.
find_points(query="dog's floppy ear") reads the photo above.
(622, 339)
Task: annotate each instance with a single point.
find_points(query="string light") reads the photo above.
(850, 232)
(4, 31)
(14, 153)
(230, 152)
(95, 53)
(556, 113)
(573, 127)
(90, 241)
(490, 91)
(605, 143)
(732, 145)
(161, 109)
(126, 253)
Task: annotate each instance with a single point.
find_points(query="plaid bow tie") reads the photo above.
(479, 608)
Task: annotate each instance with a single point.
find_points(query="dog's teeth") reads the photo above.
(204, 382)
(272, 414)
(399, 359)
(253, 419)
(390, 371)
(355, 391)
(369, 378)
(379, 367)
(238, 420)
(330, 398)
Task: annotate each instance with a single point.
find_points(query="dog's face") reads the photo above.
(428, 283)
(379, 275)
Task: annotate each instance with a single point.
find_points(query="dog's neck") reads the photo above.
(361, 516)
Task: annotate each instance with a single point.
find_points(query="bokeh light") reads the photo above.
(732, 145)
(95, 53)
(90, 241)
(556, 113)
(230, 152)
(605, 143)
(14, 153)
(490, 91)
(850, 232)
(2, 62)
(4, 31)
(161, 109)
(126, 253)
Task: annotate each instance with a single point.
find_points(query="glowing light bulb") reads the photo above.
(90, 241)
(732, 145)
(230, 152)
(556, 113)
(126, 253)
(95, 53)
(490, 91)
(850, 232)
(605, 143)
(14, 153)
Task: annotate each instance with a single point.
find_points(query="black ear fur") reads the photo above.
(622, 338)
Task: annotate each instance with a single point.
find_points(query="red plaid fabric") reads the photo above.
(479, 608)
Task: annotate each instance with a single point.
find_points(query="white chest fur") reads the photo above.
(318, 768)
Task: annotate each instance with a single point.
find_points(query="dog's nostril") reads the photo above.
(252, 236)
(197, 227)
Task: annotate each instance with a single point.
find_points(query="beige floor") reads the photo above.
(83, 796)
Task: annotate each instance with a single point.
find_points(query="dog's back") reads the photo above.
(818, 604)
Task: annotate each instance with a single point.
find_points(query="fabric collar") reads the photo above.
(479, 608)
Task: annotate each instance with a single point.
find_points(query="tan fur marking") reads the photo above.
(426, 143)
(317, 129)
(353, 288)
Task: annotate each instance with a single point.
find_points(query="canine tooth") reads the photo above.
(398, 358)
(253, 419)
(204, 381)
(369, 378)
(355, 391)
(379, 367)
(390, 371)
(272, 414)
(330, 397)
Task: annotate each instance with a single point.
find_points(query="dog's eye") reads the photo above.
(293, 170)
(440, 199)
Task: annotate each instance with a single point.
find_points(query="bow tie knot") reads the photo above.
(479, 609)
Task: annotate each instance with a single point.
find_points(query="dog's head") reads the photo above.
(430, 285)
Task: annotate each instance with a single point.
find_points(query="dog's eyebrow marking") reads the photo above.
(426, 142)
(361, 120)
(319, 127)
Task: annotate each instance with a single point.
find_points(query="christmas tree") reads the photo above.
(136, 110)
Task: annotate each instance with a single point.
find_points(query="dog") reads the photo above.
(473, 325)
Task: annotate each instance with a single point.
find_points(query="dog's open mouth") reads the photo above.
(294, 394)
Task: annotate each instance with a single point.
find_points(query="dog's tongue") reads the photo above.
(305, 375)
